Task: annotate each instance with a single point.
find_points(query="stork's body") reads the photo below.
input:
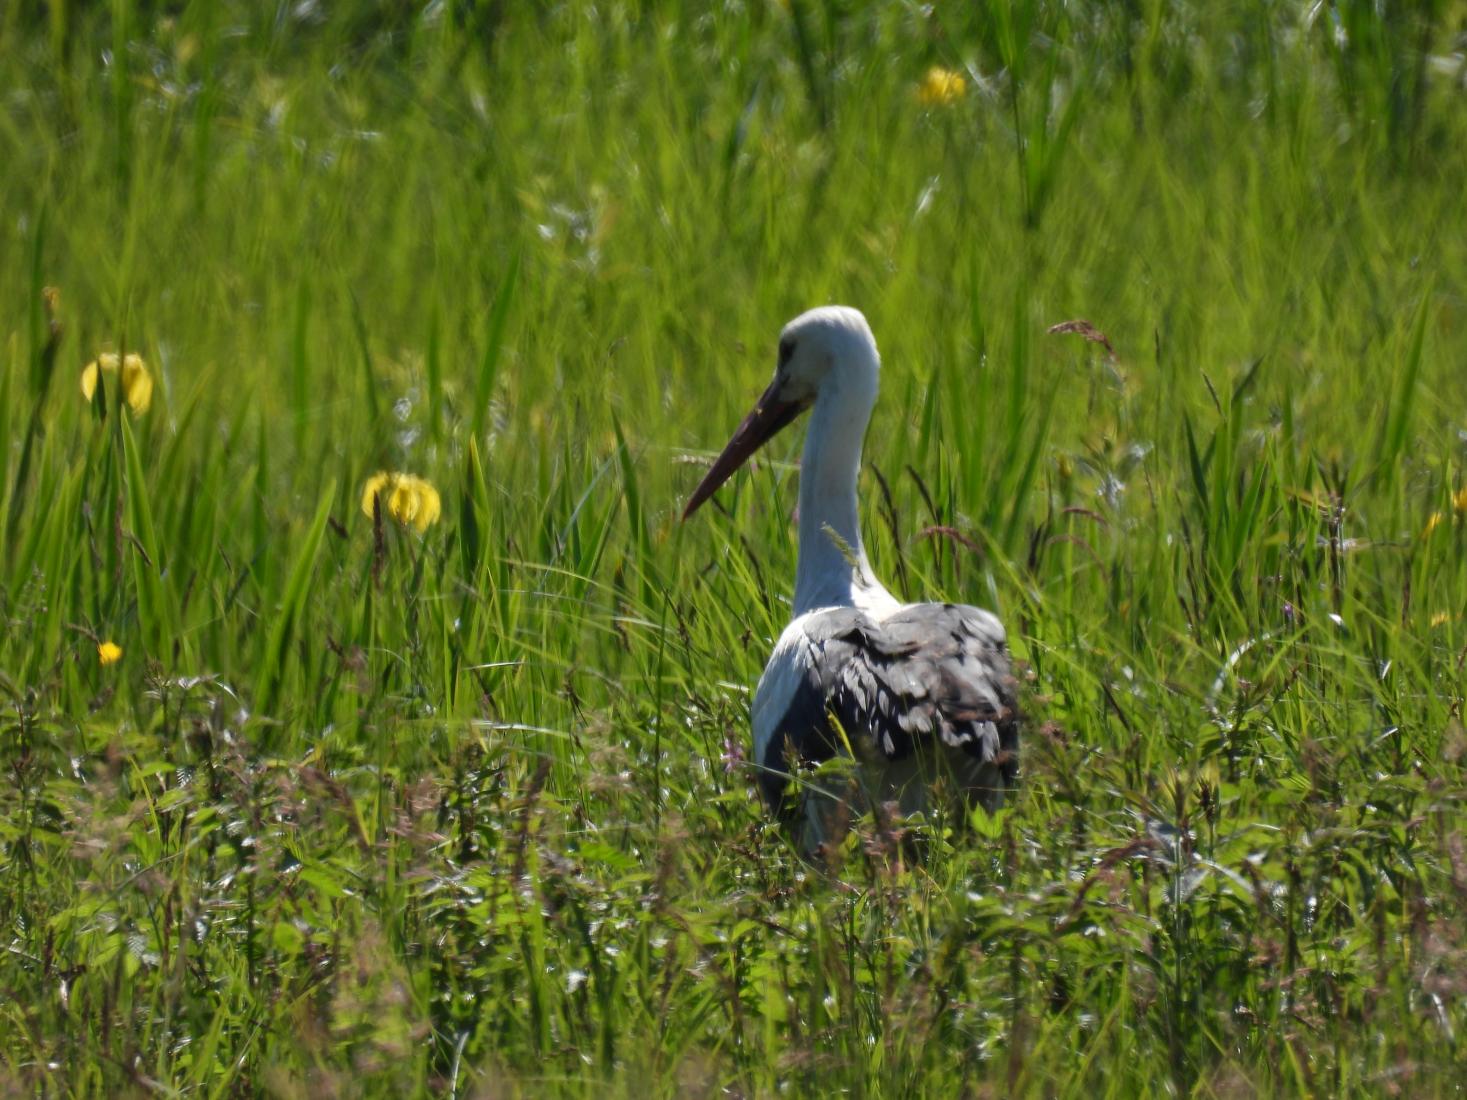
(921, 694)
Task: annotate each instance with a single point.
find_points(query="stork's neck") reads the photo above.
(833, 570)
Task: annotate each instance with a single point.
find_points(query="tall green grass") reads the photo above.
(361, 811)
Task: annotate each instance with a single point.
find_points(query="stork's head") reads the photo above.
(823, 350)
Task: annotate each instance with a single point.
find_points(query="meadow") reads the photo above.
(448, 796)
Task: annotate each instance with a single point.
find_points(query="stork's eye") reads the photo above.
(786, 349)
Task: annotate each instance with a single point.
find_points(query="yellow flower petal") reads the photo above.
(377, 485)
(403, 503)
(137, 384)
(109, 653)
(430, 506)
(91, 373)
(1439, 618)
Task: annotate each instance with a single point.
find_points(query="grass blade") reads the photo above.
(493, 345)
(292, 599)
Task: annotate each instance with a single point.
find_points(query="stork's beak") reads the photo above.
(768, 417)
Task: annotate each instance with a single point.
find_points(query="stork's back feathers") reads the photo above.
(931, 679)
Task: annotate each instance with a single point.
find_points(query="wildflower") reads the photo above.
(1439, 618)
(137, 382)
(109, 653)
(940, 87)
(733, 755)
(409, 500)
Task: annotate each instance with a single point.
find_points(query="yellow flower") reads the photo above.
(409, 500)
(940, 87)
(1459, 500)
(1432, 522)
(1439, 618)
(137, 382)
(109, 653)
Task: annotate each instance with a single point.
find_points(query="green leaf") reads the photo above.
(494, 345)
(272, 665)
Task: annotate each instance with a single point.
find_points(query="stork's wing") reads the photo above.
(932, 674)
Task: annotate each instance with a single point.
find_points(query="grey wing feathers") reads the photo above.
(932, 673)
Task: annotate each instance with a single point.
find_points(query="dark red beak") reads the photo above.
(769, 416)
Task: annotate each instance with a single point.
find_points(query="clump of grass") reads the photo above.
(361, 804)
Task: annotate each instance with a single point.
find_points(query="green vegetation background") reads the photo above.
(464, 813)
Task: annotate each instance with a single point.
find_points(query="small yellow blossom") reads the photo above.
(1439, 618)
(409, 500)
(137, 382)
(1432, 523)
(940, 87)
(109, 653)
(1459, 500)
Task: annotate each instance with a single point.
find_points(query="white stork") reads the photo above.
(921, 694)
